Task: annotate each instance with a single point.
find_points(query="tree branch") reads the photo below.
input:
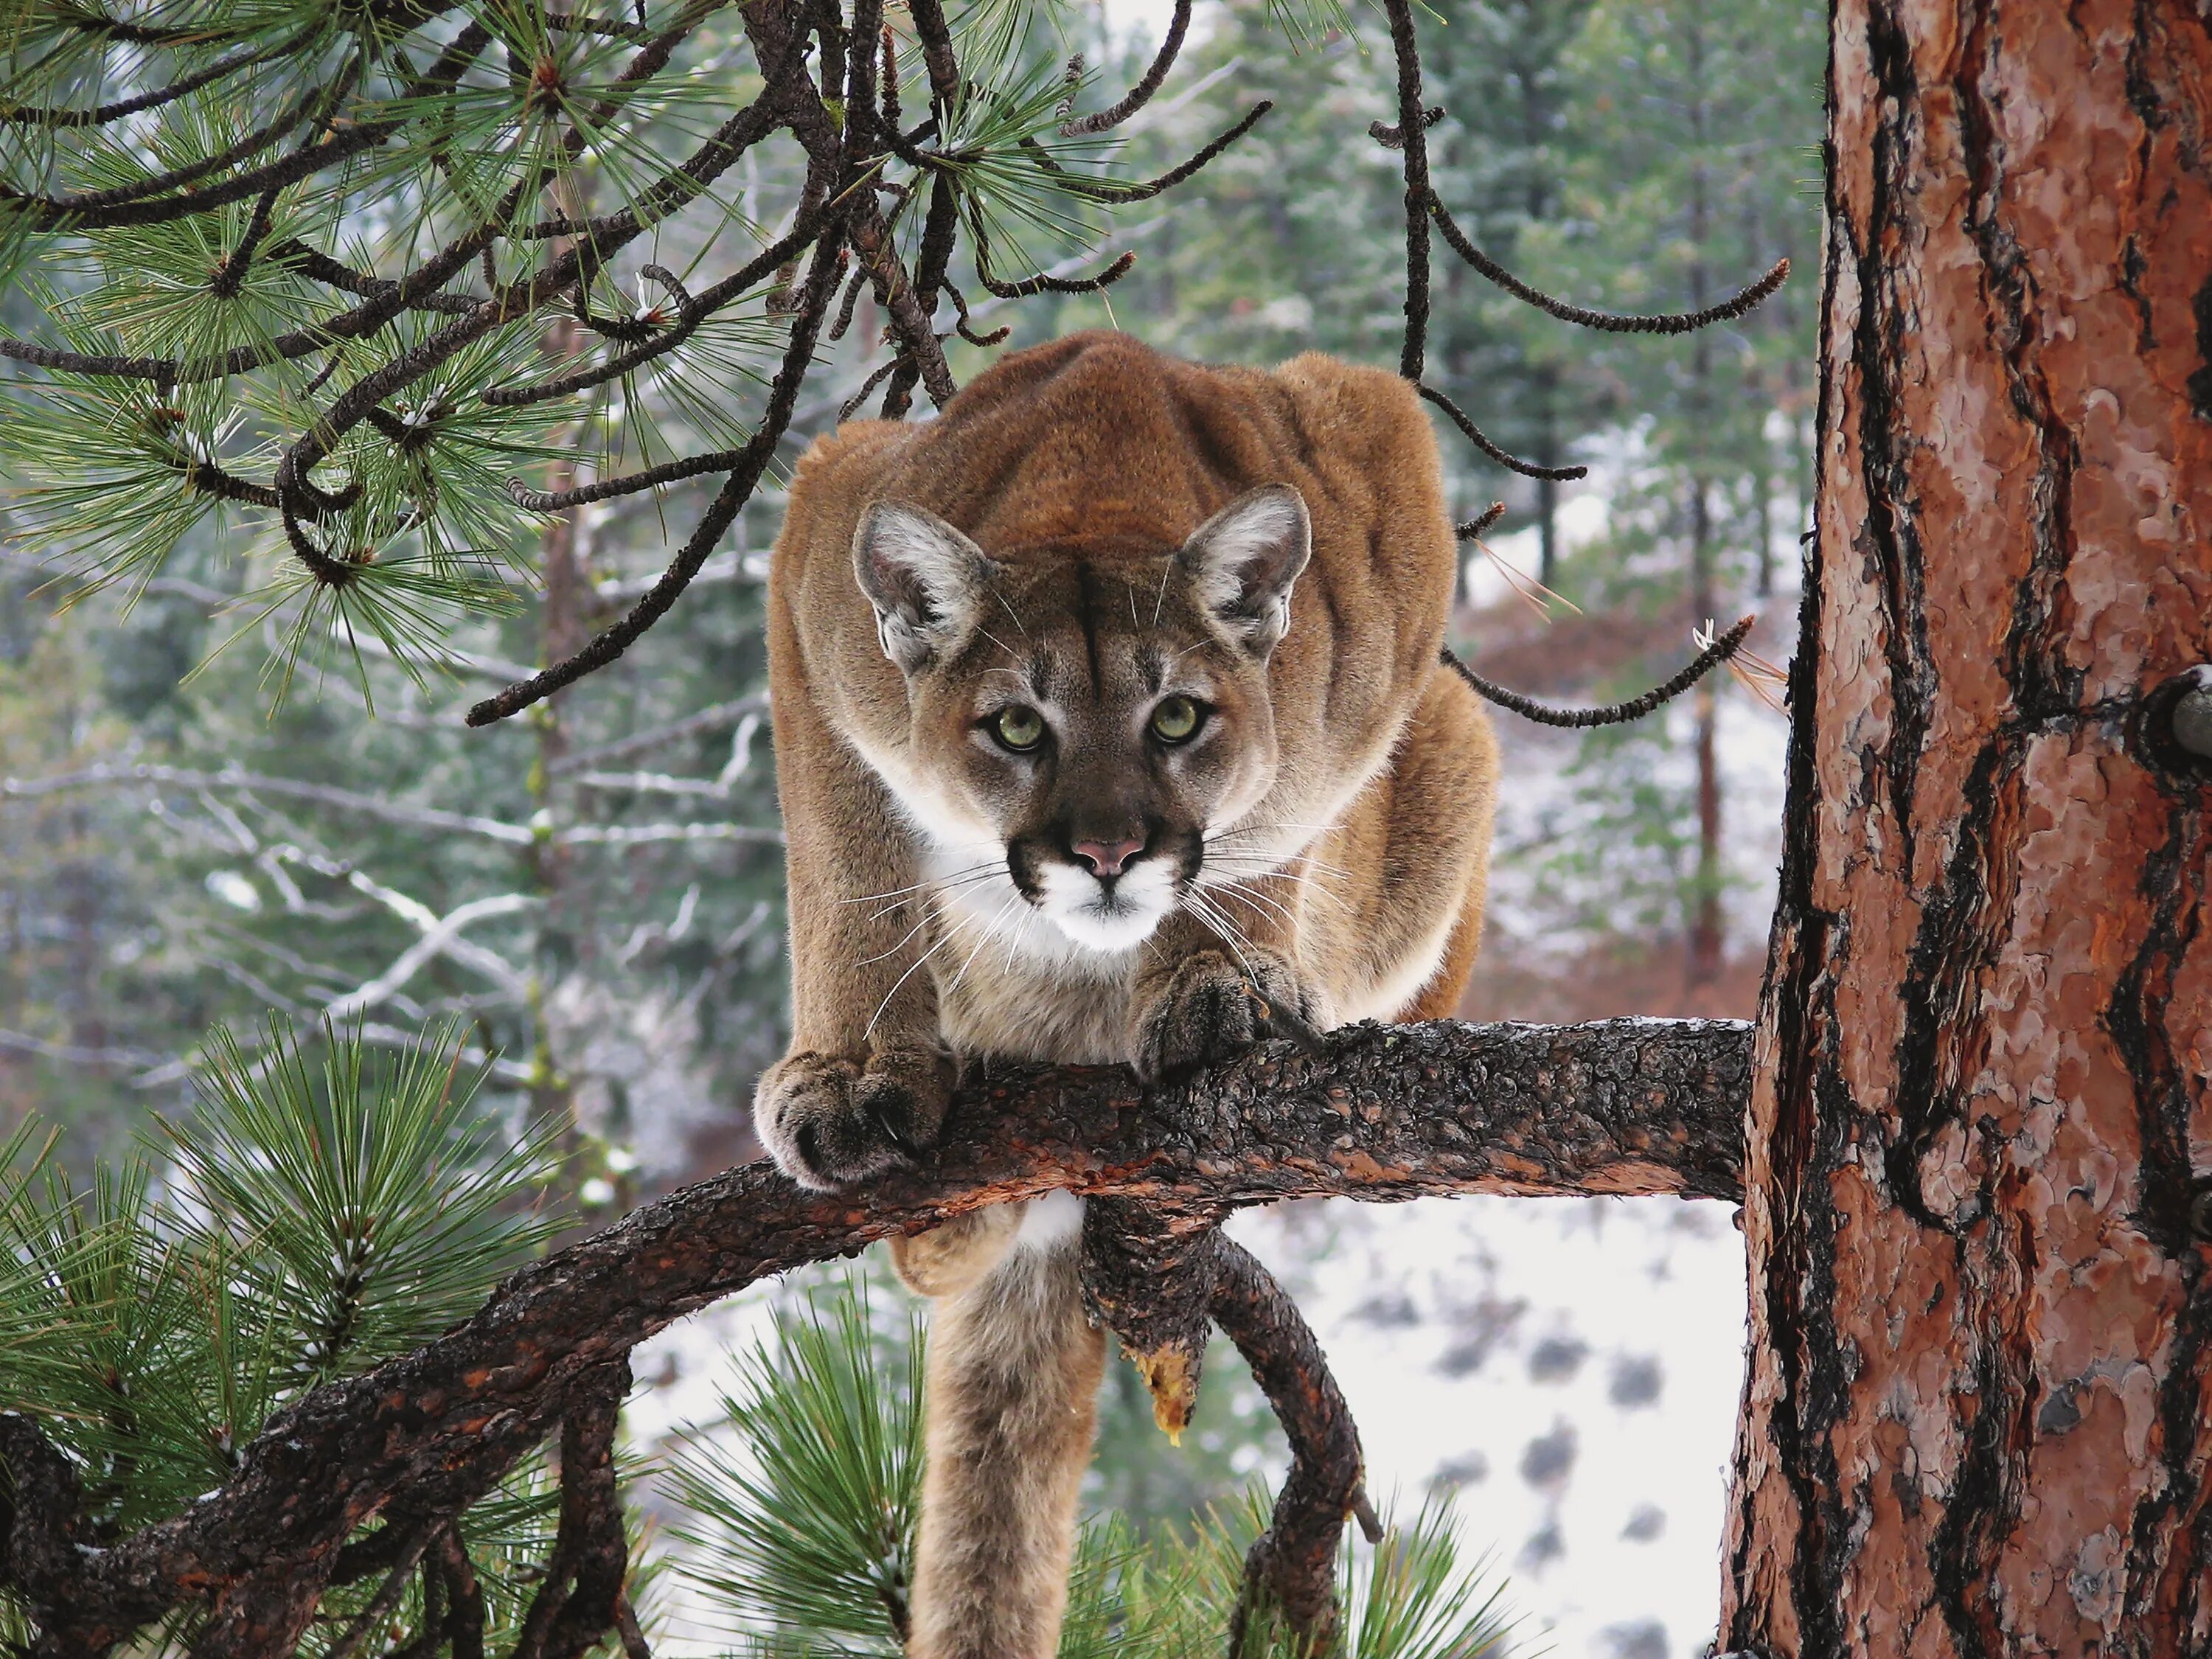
(1384, 1113)
(1293, 1563)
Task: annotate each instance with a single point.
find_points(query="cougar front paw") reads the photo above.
(829, 1122)
(1210, 1009)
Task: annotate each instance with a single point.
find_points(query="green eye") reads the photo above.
(1176, 720)
(1018, 727)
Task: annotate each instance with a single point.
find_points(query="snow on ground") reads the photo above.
(1571, 1367)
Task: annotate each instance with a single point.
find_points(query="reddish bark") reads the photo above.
(1978, 1417)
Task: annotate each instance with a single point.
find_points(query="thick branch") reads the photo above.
(1293, 1563)
(1383, 1114)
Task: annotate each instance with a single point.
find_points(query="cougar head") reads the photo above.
(1085, 717)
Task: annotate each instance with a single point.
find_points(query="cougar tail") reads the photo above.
(1010, 1404)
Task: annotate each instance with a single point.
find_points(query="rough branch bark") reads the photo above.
(1382, 1113)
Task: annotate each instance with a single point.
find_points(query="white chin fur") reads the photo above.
(1080, 907)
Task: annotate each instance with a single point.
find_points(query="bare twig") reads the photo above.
(1682, 322)
(1101, 190)
(347, 801)
(1476, 437)
(1479, 524)
(1140, 94)
(1292, 1564)
(1414, 146)
(1613, 713)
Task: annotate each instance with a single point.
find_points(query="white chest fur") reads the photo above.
(1010, 983)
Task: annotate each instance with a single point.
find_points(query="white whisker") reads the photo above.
(1250, 873)
(990, 933)
(1224, 928)
(1257, 900)
(1253, 864)
(939, 889)
(933, 881)
(926, 918)
(901, 980)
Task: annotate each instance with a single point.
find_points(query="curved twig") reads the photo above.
(967, 324)
(1098, 190)
(881, 373)
(1612, 714)
(691, 466)
(1476, 437)
(1043, 282)
(1681, 322)
(847, 307)
(689, 313)
(1293, 1563)
(320, 267)
(1140, 94)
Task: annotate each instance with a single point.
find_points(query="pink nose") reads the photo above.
(1107, 858)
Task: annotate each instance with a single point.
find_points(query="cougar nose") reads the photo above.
(1107, 858)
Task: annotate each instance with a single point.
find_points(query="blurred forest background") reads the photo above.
(187, 841)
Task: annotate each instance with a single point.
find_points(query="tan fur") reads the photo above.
(1334, 815)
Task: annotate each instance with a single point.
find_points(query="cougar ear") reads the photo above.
(925, 579)
(1243, 561)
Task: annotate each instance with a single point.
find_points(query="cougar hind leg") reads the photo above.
(1010, 1405)
(952, 1256)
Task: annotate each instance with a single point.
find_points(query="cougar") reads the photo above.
(1108, 717)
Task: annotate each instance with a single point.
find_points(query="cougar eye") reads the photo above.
(1018, 727)
(1177, 720)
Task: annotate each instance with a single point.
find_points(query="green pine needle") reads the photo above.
(801, 1519)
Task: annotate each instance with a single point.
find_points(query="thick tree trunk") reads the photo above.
(1979, 1416)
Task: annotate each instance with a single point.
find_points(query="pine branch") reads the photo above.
(1384, 1113)
(100, 115)
(745, 472)
(125, 205)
